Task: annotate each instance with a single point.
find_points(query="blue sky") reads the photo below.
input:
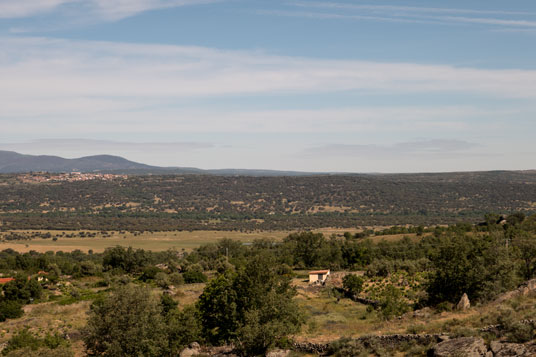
(345, 85)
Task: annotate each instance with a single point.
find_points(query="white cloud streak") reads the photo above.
(66, 86)
(43, 69)
(407, 9)
(409, 14)
(24, 8)
(109, 10)
(101, 145)
(434, 147)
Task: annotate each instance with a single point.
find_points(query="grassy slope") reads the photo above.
(328, 319)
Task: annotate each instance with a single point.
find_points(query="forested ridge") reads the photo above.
(193, 202)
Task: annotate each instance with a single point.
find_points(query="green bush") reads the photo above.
(392, 302)
(253, 307)
(162, 280)
(149, 273)
(515, 330)
(176, 279)
(26, 340)
(128, 322)
(194, 276)
(42, 352)
(353, 284)
(10, 310)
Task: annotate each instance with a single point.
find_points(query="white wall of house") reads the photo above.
(313, 278)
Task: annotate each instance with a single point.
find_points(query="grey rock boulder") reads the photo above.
(461, 347)
(193, 349)
(464, 303)
(278, 353)
(512, 349)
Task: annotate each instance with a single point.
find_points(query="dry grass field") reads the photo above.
(154, 241)
(158, 241)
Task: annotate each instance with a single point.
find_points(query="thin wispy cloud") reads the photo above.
(109, 10)
(23, 8)
(408, 9)
(336, 16)
(410, 14)
(66, 86)
(39, 68)
(45, 145)
(440, 148)
(353, 120)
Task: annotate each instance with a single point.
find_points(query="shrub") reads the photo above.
(252, 307)
(25, 340)
(392, 302)
(10, 310)
(128, 322)
(353, 284)
(515, 330)
(183, 328)
(161, 279)
(176, 279)
(149, 273)
(194, 276)
(41, 352)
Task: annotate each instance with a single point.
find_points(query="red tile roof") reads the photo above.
(319, 272)
(6, 280)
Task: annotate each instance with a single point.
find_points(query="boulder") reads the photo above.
(422, 313)
(192, 350)
(278, 353)
(463, 346)
(512, 349)
(464, 303)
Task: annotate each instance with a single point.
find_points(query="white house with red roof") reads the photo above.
(318, 276)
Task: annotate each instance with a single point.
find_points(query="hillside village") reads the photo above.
(75, 176)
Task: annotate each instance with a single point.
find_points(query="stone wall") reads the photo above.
(385, 341)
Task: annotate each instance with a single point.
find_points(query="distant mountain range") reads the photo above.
(12, 162)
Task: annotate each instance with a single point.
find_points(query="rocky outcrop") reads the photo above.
(512, 349)
(464, 303)
(365, 301)
(320, 349)
(526, 288)
(278, 353)
(393, 341)
(445, 347)
(497, 328)
(193, 349)
(463, 346)
(385, 341)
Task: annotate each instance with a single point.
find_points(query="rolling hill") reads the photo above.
(13, 162)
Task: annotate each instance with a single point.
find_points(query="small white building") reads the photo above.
(318, 276)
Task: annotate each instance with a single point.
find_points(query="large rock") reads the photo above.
(464, 303)
(192, 350)
(463, 346)
(528, 287)
(278, 353)
(512, 349)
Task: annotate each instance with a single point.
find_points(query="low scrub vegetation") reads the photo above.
(254, 297)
